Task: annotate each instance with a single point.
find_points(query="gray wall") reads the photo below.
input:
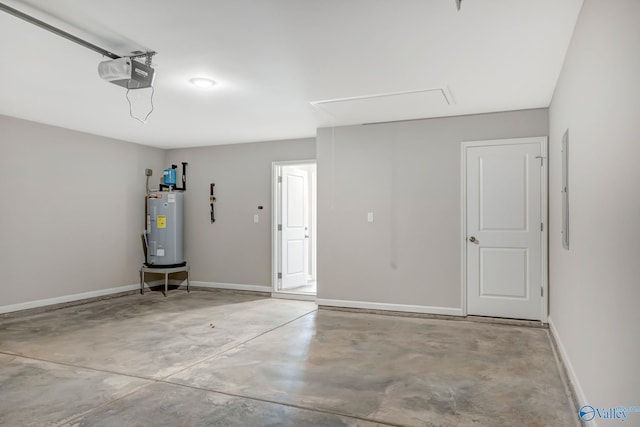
(595, 286)
(234, 249)
(408, 175)
(71, 213)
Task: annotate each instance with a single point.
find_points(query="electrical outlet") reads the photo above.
(148, 172)
(256, 218)
(369, 216)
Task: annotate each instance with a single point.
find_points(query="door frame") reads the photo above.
(544, 214)
(276, 166)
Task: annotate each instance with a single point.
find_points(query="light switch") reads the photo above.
(256, 218)
(369, 216)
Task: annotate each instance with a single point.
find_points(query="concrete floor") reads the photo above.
(155, 361)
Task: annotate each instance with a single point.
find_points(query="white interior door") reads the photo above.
(504, 228)
(295, 202)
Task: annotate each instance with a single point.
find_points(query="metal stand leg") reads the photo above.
(141, 282)
(166, 283)
(188, 290)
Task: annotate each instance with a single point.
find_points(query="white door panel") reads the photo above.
(502, 191)
(504, 236)
(295, 257)
(503, 272)
(295, 187)
(295, 199)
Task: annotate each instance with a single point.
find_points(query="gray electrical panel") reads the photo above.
(165, 247)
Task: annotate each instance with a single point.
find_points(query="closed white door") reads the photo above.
(295, 202)
(504, 228)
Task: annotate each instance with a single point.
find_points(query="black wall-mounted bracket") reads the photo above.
(212, 200)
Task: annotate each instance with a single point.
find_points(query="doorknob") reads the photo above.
(473, 239)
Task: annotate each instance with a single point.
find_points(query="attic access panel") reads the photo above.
(386, 107)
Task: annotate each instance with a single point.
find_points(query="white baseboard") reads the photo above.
(423, 309)
(289, 295)
(233, 286)
(66, 298)
(573, 378)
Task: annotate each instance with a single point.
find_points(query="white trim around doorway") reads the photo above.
(275, 216)
(543, 140)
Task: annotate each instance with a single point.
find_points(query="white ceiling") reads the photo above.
(273, 58)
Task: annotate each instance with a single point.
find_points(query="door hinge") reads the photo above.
(279, 227)
(279, 275)
(279, 179)
(541, 226)
(541, 291)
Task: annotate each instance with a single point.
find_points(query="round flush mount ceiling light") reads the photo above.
(202, 82)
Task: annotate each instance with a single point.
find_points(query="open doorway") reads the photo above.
(294, 229)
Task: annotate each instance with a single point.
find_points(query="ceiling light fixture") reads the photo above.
(202, 82)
